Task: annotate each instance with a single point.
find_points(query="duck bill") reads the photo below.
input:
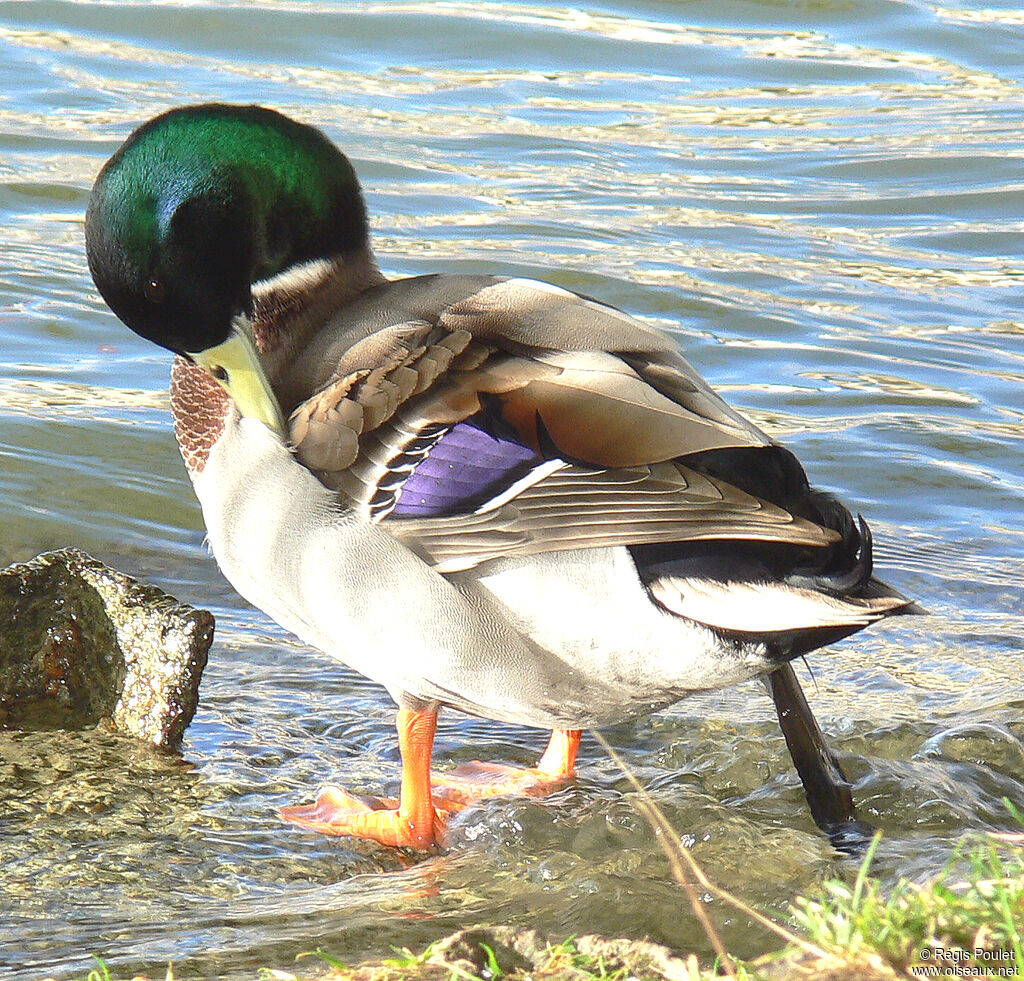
(237, 367)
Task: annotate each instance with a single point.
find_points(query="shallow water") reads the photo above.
(824, 201)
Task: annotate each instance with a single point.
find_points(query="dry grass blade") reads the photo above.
(679, 858)
(656, 821)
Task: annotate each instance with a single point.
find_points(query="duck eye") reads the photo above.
(219, 372)
(154, 291)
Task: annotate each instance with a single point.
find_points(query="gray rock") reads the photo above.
(81, 643)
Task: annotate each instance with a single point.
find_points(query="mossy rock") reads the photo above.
(81, 643)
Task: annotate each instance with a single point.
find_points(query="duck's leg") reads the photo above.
(825, 784)
(559, 759)
(412, 822)
(476, 781)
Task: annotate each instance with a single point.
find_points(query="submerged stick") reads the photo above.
(825, 785)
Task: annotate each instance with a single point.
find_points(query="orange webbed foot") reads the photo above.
(458, 788)
(337, 812)
(470, 782)
(409, 822)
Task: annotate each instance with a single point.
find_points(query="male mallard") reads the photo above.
(484, 493)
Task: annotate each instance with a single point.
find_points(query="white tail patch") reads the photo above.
(764, 607)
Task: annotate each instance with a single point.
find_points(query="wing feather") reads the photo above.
(605, 405)
(580, 507)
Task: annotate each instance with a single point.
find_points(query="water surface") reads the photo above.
(823, 201)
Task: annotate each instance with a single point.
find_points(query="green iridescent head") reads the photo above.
(203, 201)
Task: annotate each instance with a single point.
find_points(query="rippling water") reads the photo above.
(823, 200)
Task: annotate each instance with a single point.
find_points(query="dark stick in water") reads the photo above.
(825, 784)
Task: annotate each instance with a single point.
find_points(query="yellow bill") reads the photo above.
(236, 365)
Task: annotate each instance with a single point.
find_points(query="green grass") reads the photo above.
(976, 904)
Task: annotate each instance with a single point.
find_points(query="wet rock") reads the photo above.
(859, 966)
(524, 952)
(81, 643)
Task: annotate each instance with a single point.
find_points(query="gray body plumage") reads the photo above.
(562, 640)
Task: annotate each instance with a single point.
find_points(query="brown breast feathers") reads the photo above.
(200, 408)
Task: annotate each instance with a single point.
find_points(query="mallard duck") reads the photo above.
(484, 493)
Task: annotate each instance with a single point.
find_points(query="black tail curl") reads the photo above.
(774, 474)
(852, 581)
